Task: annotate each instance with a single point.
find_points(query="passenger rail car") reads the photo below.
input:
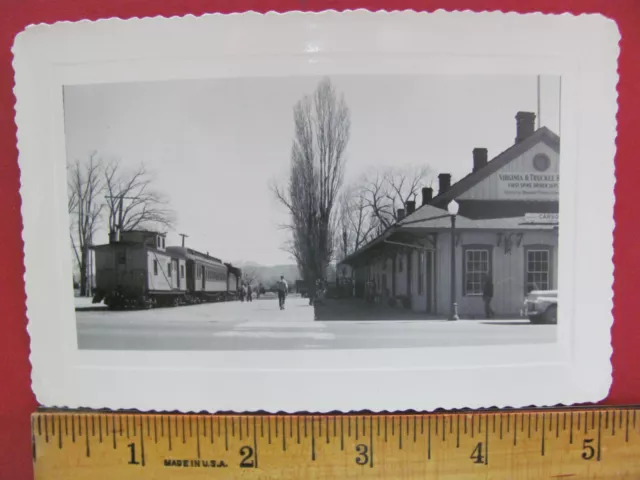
(137, 270)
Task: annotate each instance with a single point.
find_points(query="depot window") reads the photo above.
(155, 267)
(181, 271)
(537, 268)
(476, 266)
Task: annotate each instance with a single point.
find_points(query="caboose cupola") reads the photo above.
(155, 240)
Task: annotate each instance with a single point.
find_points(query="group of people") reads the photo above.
(282, 287)
(246, 292)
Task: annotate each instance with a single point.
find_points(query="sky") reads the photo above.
(214, 145)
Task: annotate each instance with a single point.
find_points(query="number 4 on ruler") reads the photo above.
(477, 456)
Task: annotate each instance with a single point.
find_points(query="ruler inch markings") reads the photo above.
(599, 434)
(550, 440)
(86, 435)
(141, 442)
(198, 436)
(255, 441)
(486, 439)
(313, 440)
(429, 436)
(371, 441)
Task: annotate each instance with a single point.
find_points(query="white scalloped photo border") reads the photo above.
(577, 368)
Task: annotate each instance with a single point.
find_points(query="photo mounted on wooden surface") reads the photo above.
(285, 204)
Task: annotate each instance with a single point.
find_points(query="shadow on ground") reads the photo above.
(356, 309)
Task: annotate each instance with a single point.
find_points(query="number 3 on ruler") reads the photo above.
(363, 451)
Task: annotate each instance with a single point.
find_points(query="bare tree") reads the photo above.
(249, 275)
(384, 193)
(357, 223)
(322, 128)
(85, 184)
(131, 201)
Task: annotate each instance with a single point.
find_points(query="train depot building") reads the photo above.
(506, 227)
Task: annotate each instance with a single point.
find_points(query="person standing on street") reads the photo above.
(283, 288)
(487, 296)
(249, 293)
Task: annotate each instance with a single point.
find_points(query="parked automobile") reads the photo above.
(541, 306)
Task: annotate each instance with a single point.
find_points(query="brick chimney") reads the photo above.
(445, 182)
(411, 206)
(525, 125)
(480, 158)
(427, 195)
(400, 214)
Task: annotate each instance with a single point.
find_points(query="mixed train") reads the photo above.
(137, 270)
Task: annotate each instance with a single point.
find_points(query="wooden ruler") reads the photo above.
(537, 444)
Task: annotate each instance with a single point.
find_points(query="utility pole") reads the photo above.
(538, 101)
(560, 108)
(183, 237)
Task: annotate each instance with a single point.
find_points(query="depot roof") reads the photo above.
(430, 219)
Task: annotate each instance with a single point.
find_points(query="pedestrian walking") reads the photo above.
(487, 296)
(283, 289)
(249, 294)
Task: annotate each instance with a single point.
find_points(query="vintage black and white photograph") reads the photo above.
(263, 212)
(314, 212)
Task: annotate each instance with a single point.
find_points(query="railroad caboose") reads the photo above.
(135, 270)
